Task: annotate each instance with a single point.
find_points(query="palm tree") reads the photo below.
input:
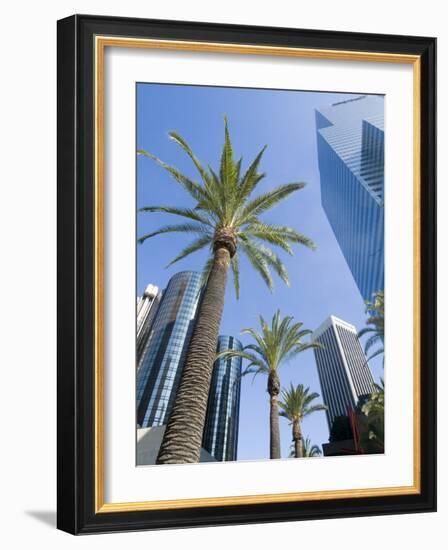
(275, 345)
(296, 405)
(310, 450)
(375, 309)
(373, 408)
(225, 219)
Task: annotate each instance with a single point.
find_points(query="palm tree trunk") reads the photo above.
(297, 437)
(274, 390)
(183, 435)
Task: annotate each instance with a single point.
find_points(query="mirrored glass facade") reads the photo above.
(344, 373)
(221, 426)
(162, 361)
(147, 306)
(350, 144)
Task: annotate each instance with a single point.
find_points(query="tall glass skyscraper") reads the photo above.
(344, 373)
(163, 357)
(221, 426)
(350, 145)
(147, 306)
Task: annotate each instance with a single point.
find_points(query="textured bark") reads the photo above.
(274, 390)
(183, 435)
(297, 438)
(225, 238)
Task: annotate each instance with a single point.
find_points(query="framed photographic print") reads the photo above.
(246, 271)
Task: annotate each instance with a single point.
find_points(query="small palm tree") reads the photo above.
(310, 450)
(274, 346)
(296, 405)
(375, 322)
(373, 408)
(226, 220)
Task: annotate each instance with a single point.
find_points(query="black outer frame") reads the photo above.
(75, 403)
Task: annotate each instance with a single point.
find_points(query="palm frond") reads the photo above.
(183, 212)
(378, 352)
(228, 168)
(374, 324)
(192, 188)
(238, 169)
(255, 232)
(374, 339)
(251, 178)
(217, 205)
(197, 244)
(364, 331)
(278, 235)
(235, 264)
(297, 349)
(253, 359)
(315, 408)
(275, 262)
(177, 138)
(255, 371)
(266, 201)
(180, 228)
(258, 262)
(261, 343)
(206, 271)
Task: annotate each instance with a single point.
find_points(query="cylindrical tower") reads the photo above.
(162, 361)
(221, 428)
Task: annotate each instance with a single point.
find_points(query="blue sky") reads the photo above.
(321, 282)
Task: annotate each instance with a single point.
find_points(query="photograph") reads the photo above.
(259, 274)
(235, 205)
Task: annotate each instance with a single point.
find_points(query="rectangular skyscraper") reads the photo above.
(147, 306)
(342, 367)
(350, 145)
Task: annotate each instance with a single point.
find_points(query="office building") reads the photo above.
(147, 306)
(344, 373)
(221, 426)
(350, 145)
(163, 356)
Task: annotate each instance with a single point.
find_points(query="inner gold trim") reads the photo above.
(101, 42)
